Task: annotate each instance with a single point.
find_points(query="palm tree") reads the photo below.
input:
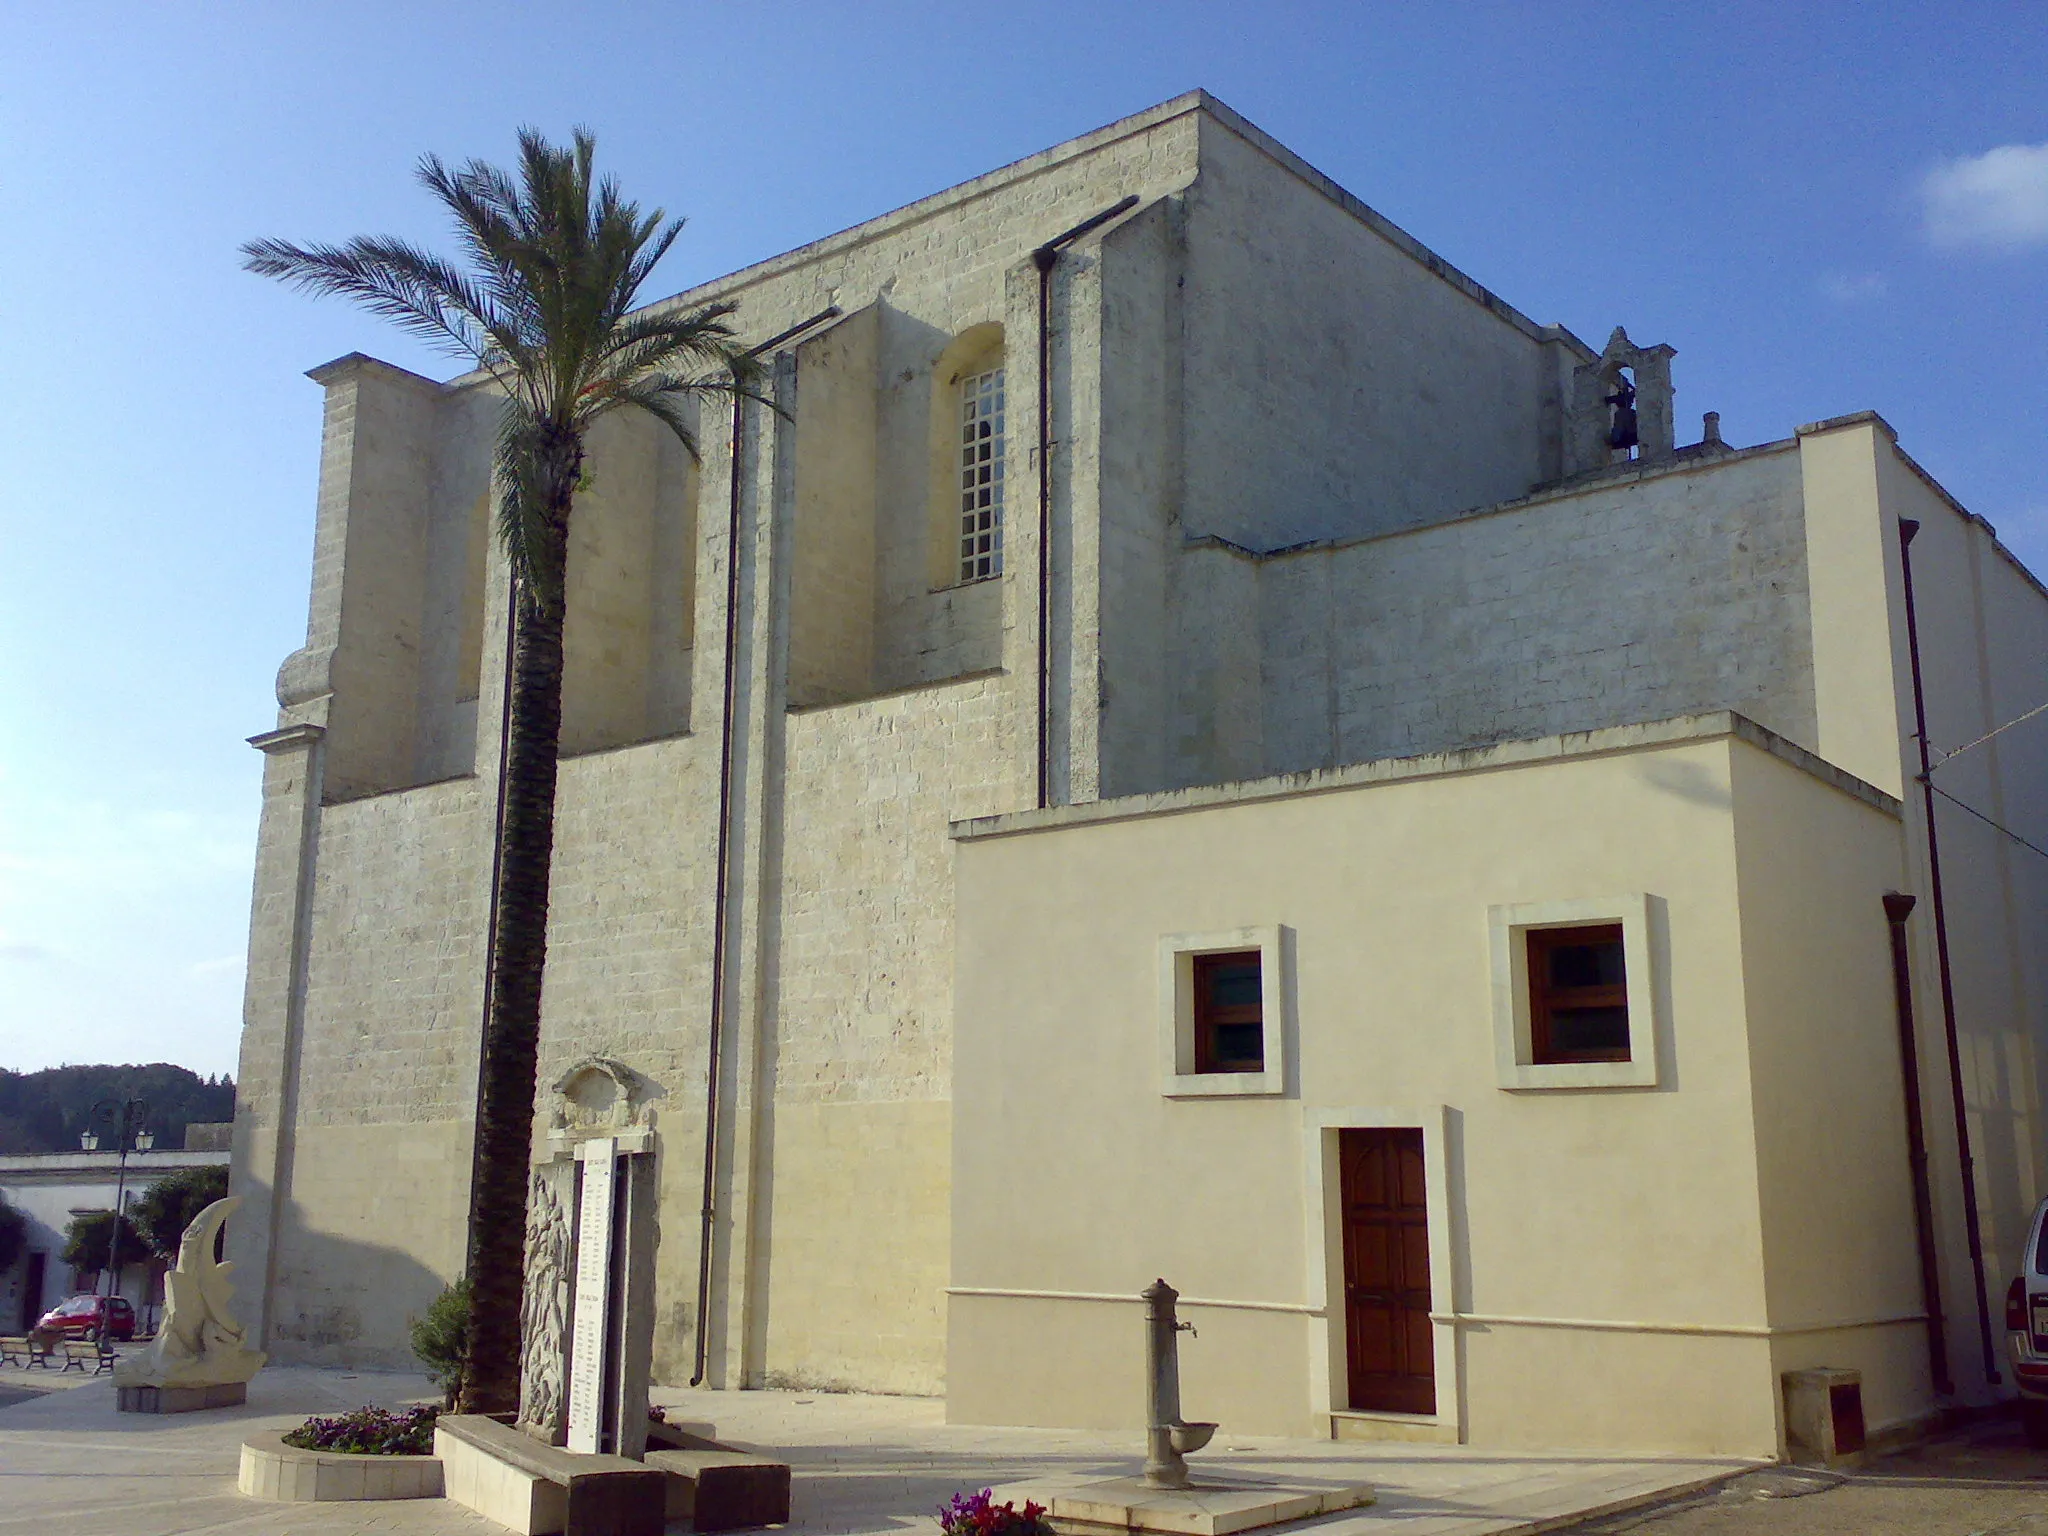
(545, 308)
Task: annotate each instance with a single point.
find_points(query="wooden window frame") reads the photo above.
(1544, 997)
(1208, 1017)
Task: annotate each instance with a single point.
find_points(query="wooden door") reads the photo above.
(1391, 1353)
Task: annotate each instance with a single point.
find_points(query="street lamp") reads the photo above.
(126, 1117)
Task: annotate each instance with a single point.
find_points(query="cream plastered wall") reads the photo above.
(1841, 1259)
(1609, 1237)
(1984, 653)
(1983, 623)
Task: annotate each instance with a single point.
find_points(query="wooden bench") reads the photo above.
(18, 1349)
(506, 1475)
(716, 1487)
(78, 1352)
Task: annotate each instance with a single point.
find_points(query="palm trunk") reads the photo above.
(511, 1045)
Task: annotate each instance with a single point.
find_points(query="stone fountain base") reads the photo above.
(158, 1399)
(1207, 1508)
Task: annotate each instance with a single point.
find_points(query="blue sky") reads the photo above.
(1824, 208)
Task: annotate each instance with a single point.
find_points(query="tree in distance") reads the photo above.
(87, 1238)
(167, 1207)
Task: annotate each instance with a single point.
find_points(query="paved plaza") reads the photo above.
(69, 1463)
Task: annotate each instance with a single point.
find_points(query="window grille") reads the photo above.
(981, 475)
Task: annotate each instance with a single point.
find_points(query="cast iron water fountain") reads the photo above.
(1168, 1437)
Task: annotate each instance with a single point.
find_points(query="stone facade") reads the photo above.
(1313, 498)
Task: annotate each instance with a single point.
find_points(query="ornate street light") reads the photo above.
(127, 1119)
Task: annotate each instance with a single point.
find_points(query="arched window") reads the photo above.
(969, 413)
(982, 416)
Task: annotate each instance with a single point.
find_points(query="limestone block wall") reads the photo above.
(379, 1175)
(629, 633)
(394, 638)
(862, 1044)
(1659, 594)
(1340, 380)
(629, 971)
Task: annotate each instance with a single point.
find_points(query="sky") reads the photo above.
(1823, 208)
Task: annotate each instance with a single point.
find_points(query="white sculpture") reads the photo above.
(200, 1344)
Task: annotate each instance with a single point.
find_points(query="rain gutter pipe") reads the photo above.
(713, 1056)
(1897, 908)
(1907, 528)
(1044, 258)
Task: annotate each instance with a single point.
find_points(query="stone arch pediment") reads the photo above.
(598, 1096)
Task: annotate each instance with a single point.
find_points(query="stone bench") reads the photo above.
(506, 1475)
(715, 1487)
(18, 1349)
(83, 1352)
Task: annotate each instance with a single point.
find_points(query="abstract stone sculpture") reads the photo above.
(544, 1320)
(200, 1358)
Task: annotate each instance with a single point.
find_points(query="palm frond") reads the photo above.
(554, 258)
(668, 400)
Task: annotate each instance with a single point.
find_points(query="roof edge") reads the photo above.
(1607, 741)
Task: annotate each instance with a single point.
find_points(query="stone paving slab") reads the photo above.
(862, 1466)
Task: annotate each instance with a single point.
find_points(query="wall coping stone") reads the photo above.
(1608, 741)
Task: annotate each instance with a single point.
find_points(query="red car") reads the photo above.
(79, 1318)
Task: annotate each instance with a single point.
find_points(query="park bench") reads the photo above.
(506, 1475)
(715, 1487)
(18, 1349)
(79, 1352)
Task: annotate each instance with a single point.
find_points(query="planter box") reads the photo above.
(273, 1470)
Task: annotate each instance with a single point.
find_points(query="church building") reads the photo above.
(1198, 742)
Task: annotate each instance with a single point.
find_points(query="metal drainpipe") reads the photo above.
(1907, 528)
(1897, 908)
(1044, 259)
(713, 1055)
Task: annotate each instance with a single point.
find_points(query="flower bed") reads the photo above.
(978, 1514)
(369, 1432)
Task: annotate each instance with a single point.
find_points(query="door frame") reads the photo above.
(1328, 1367)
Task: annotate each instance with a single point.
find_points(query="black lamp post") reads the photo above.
(128, 1117)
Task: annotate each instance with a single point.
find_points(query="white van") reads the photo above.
(2026, 1329)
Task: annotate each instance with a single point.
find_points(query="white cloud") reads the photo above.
(1995, 201)
(1854, 287)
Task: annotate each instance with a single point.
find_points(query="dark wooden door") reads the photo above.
(1386, 1272)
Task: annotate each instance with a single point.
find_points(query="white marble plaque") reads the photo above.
(589, 1338)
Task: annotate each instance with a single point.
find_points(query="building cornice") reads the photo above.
(1654, 735)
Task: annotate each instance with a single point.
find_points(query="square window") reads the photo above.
(1229, 1023)
(1222, 1001)
(1578, 994)
(1575, 999)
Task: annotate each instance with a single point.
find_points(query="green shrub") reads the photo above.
(438, 1337)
